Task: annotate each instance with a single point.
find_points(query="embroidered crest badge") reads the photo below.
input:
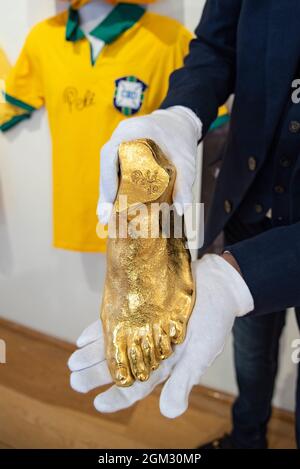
(129, 95)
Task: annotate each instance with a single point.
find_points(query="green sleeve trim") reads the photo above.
(16, 102)
(14, 121)
(221, 120)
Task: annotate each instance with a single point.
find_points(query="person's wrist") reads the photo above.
(225, 285)
(188, 113)
(228, 257)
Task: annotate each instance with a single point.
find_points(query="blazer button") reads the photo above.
(252, 163)
(279, 189)
(285, 162)
(259, 208)
(294, 127)
(227, 206)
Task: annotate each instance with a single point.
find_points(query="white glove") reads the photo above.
(222, 295)
(176, 131)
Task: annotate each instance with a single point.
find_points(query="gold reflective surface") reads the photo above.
(149, 289)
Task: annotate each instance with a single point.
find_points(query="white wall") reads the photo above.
(174, 8)
(52, 290)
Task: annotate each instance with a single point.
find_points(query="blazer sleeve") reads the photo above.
(270, 264)
(208, 76)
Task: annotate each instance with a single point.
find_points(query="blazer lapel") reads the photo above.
(282, 59)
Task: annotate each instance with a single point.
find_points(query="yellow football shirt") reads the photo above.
(4, 69)
(4, 64)
(85, 101)
(7, 112)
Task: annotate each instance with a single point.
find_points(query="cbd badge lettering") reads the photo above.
(129, 95)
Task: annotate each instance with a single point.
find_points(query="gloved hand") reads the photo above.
(222, 295)
(176, 131)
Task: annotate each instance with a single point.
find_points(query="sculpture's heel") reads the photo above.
(145, 174)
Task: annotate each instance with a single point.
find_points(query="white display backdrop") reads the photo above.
(56, 291)
(173, 8)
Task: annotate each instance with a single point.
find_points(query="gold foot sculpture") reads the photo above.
(149, 290)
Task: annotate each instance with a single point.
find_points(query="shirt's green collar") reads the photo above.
(119, 20)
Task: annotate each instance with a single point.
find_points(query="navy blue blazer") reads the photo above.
(251, 49)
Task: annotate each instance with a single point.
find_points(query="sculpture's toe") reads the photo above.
(148, 350)
(163, 348)
(119, 365)
(136, 359)
(177, 331)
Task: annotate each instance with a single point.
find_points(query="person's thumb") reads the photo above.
(104, 211)
(109, 180)
(182, 195)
